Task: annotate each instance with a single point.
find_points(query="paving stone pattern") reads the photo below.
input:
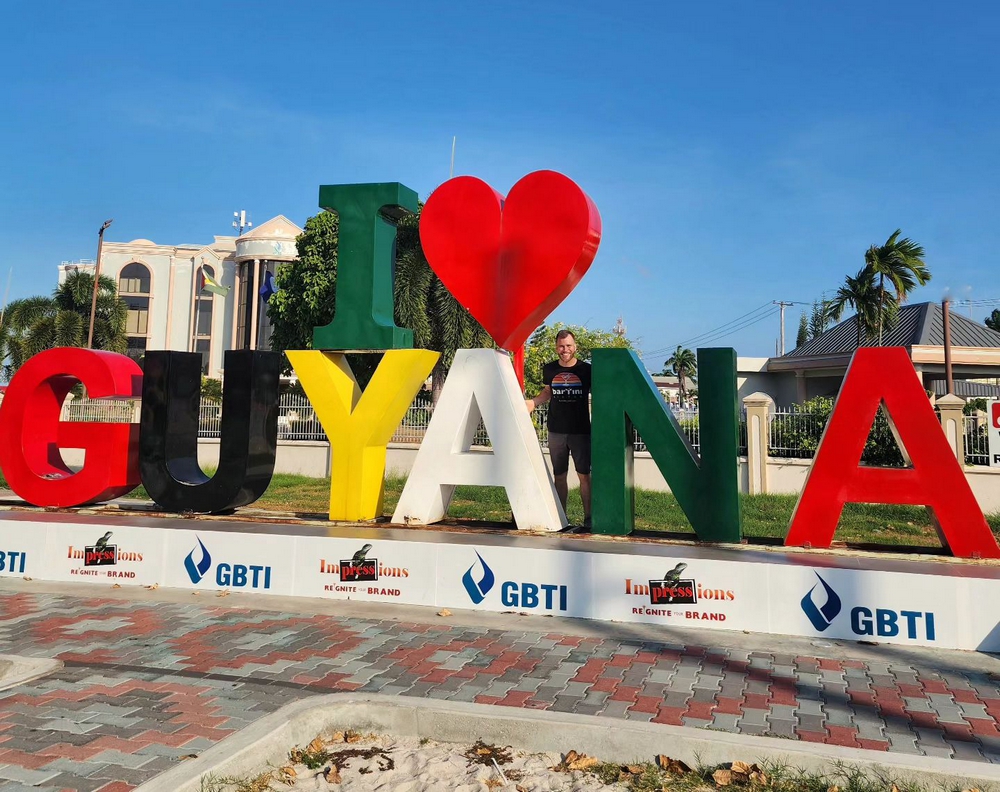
(146, 684)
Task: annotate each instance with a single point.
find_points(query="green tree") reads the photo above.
(684, 364)
(541, 349)
(307, 290)
(802, 336)
(861, 294)
(993, 320)
(819, 318)
(422, 303)
(898, 264)
(34, 324)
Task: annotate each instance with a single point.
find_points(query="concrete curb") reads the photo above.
(268, 741)
(16, 670)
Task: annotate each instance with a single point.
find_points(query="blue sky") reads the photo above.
(739, 152)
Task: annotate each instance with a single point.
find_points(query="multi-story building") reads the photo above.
(169, 309)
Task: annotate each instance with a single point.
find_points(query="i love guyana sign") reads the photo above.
(510, 261)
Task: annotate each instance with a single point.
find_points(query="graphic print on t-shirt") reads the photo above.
(566, 385)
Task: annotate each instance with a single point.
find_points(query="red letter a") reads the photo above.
(936, 480)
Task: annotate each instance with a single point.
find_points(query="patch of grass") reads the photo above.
(248, 783)
(778, 777)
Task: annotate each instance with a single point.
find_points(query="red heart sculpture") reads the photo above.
(510, 262)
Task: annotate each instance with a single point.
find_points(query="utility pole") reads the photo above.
(782, 305)
(948, 378)
(97, 280)
(619, 329)
(451, 172)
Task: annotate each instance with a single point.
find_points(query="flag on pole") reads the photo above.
(210, 284)
(269, 287)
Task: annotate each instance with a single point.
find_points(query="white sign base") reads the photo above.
(887, 600)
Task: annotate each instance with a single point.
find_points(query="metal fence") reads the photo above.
(977, 450)
(297, 420)
(796, 433)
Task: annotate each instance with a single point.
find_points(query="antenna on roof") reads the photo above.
(240, 222)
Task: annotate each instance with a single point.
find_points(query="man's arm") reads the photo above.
(541, 398)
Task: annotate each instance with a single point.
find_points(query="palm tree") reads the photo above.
(861, 294)
(34, 324)
(424, 304)
(901, 262)
(684, 364)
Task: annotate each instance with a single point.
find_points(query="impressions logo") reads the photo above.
(478, 590)
(821, 616)
(359, 567)
(100, 553)
(196, 571)
(673, 589)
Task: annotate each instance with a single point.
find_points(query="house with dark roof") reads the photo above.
(817, 367)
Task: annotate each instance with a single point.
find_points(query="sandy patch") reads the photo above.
(406, 764)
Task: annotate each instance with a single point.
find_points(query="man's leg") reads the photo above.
(559, 457)
(585, 496)
(579, 445)
(561, 489)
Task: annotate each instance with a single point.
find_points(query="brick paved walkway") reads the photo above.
(146, 683)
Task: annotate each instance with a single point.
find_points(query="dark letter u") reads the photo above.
(168, 436)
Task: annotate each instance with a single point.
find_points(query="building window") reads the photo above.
(136, 348)
(242, 340)
(203, 306)
(134, 283)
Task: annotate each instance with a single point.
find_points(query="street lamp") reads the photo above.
(97, 276)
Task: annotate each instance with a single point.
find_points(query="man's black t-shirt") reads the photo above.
(569, 408)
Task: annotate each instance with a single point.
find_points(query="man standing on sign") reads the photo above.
(567, 386)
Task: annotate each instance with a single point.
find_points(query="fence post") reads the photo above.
(757, 405)
(953, 423)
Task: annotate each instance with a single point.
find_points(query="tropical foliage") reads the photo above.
(34, 324)
(307, 290)
(541, 349)
(802, 336)
(898, 267)
(423, 304)
(860, 295)
(684, 364)
(891, 272)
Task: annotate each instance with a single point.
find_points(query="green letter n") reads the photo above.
(706, 486)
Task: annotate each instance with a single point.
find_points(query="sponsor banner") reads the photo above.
(357, 569)
(978, 604)
(679, 592)
(104, 553)
(945, 610)
(22, 549)
(258, 563)
(865, 605)
(520, 579)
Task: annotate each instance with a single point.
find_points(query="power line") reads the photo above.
(714, 330)
(722, 332)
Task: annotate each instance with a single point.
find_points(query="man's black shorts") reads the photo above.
(560, 446)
